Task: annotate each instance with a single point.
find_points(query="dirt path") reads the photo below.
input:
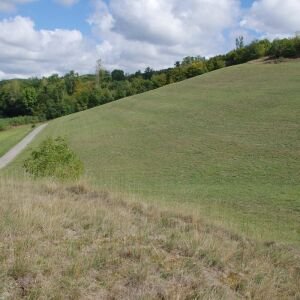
(16, 150)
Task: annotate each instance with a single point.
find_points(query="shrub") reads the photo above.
(3, 126)
(6, 123)
(54, 159)
(297, 45)
(284, 48)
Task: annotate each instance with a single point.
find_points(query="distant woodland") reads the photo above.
(55, 96)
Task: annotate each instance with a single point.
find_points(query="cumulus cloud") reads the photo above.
(27, 52)
(135, 34)
(273, 18)
(10, 5)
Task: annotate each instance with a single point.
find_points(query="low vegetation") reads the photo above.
(71, 242)
(54, 159)
(8, 123)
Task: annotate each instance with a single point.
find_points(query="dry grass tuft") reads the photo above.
(73, 243)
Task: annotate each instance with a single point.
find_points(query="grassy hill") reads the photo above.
(224, 145)
(71, 242)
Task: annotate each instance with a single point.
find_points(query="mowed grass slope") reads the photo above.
(225, 145)
(10, 137)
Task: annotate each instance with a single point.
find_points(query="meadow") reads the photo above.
(224, 145)
(73, 242)
(10, 137)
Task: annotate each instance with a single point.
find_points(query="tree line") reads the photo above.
(55, 96)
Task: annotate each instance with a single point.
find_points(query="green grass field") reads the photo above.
(11, 137)
(224, 145)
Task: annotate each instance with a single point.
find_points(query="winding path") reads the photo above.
(16, 150)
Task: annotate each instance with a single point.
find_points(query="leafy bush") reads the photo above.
(285, 48)
(3, 126)
(54, 159)
(22, 120)
(6, 123)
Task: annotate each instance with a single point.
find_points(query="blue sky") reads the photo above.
(39, 37)
(48, 14)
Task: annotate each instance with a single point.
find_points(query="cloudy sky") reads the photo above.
(41, 37)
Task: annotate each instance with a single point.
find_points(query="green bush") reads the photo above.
(285, 48)
(54, 159)
(3, 126)
(6, 123)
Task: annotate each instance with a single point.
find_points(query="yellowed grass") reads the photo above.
(69, 242)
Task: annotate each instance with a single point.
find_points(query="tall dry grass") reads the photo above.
(69, 242)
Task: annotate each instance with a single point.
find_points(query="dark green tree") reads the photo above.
(118, 75)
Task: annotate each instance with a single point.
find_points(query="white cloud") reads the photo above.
(273, 18)
(67, 2)
(135, 34)
(27, 52)
(10, 5)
